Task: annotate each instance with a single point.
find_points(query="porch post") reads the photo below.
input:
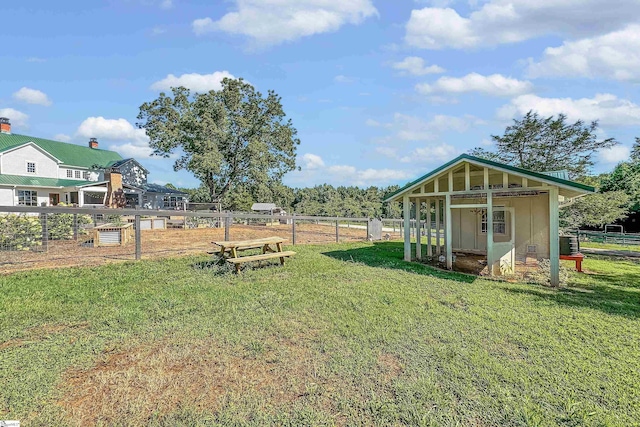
(447, 232)
(438, 227)
(554, 237)
(490, 232)
(418, 229)
(406, 207)
(428, 225)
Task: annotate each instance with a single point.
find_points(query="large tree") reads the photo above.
(626, 177)
(232, 137)
(547, 144)
(595, 210)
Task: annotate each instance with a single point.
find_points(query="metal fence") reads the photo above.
(45, 237)
(613, 238)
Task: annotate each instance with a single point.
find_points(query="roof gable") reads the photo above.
(68, 154)
(30, 144)
(537, 176)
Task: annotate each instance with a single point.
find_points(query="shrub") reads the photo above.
(60, 225)
(20, 232)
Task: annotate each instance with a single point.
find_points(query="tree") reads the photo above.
(626, 177)
(226, 138)
(548, 144)
(595, 210)
(635, 151)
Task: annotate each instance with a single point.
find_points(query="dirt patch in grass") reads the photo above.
(158, 379)
(390, 365)
(42, 332)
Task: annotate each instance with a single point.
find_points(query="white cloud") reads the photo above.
(275, 21)
(350, 175)
(412, 128)
(17, 118)
(194, 81)
(166, 4)
(431, 154)
(61, 137)
(510, 21)
(136, 143)
(615, 55)
(615, 154)
(607, 108)
(416, 66)
(493, 85)
(32, 96)
(312, 161)
(390, 152)
(35, 59)
(343, 79)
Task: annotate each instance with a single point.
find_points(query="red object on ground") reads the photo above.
(577, 258)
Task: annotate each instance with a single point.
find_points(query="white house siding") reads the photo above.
(6, 197)
(15, 163)
(532, 225)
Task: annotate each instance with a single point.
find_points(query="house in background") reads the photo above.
(42, 172)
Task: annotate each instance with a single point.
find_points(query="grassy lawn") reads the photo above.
(610, 246)
(343, 335)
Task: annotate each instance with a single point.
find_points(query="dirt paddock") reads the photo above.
(166, 243)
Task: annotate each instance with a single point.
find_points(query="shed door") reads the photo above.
(504, 241)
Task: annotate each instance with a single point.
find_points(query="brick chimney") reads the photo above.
(93, 143)
(115, 192)
(5, 125)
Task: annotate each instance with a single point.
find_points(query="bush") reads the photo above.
(20, 232)
(60, 225)
(542, 275)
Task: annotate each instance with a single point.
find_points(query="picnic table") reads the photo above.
(271, 248)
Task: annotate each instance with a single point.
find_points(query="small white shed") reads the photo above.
(489, 208)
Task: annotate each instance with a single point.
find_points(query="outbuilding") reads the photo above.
(484, 207)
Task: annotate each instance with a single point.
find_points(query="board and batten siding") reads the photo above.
(532, 225)
(15, 163)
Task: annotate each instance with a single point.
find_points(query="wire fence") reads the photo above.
(48, 237)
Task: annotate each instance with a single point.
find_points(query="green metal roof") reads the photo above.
(69, 154)
(28, 181)
(490, 163)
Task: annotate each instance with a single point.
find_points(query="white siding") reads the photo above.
(15, 163)
(6, 197)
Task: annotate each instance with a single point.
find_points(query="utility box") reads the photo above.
(374, 229)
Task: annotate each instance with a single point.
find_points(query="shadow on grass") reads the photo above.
(615, 294)
(390, 255)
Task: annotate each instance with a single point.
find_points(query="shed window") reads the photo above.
(77, 174)
(31, 167)
(499, 222)
(27, 198)
(172, 201)
(69, 173)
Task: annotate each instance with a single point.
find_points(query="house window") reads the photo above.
(94, 198)
(85, 175)
(69, 173)
(27, 198)
(77, 174)
(172, 201)
(499, 223)
(31, 167)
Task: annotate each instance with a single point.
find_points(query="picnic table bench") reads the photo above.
(229, 250)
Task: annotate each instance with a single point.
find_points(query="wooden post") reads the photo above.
(337, 231)
(45, 232)
(227, 226)
(418, 229)
(505, 180)
(554, 237)
(293, 229)
(448, 232)
(438, 249)
(75, 227)
(467, 177)
(406, 207)
(490, 232)
(138, 238)
(428, 224)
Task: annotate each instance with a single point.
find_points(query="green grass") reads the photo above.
(343, 334)
(610, 246)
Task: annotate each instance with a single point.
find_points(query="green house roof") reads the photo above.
(33, 181)
(489, 163)
(69, 154)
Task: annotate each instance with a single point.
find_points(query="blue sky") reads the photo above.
(380, 91)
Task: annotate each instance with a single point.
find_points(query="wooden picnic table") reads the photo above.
(271, 248)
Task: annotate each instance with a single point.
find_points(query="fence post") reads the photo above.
(337, 231)
(75, 227)
(45, 232)
(138, 237)
(227, 226)
(293, 228)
